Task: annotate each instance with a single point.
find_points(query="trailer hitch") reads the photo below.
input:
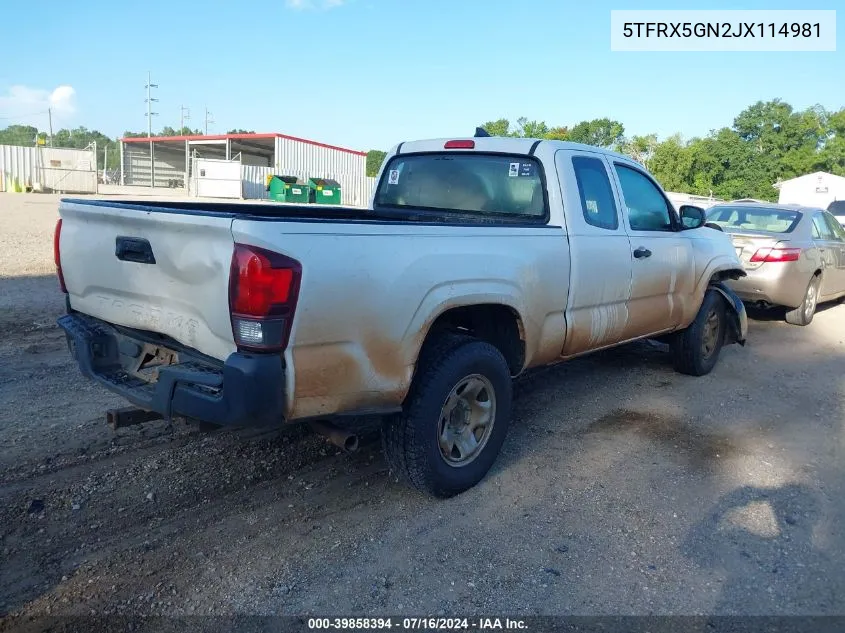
(129, 416)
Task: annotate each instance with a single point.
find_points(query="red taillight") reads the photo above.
(263, 290)
(57, 257)
(460, 144)
(776, 255)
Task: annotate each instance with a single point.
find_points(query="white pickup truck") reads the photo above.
(478, 259)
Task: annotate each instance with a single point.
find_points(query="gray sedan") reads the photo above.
(794, 256)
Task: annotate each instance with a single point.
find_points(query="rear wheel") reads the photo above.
(455, 418)
(696, 349)
(803, 314)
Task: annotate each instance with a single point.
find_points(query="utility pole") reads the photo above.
(50, 119)
(185, 116)
(208, 119)
(150, 114)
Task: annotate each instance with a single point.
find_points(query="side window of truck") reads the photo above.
(648, 210)
(597, 201)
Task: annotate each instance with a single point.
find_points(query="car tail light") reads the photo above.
(263, 290)
(57, 257)
(776, 255)
(460, 144)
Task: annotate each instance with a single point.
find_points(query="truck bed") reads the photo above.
(235, 208)
(306, 212)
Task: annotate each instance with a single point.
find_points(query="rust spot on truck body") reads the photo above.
(343, 377)
(322, 370)
(386, 357)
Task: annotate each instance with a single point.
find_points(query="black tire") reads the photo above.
(693, 351)
(410, 439)
(803, 314)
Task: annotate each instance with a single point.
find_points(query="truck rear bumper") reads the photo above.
(248, 389)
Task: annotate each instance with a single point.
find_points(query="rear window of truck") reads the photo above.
(489, 185)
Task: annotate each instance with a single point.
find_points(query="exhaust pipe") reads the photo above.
(341, 438)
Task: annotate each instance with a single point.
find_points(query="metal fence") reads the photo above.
(48, 169)
(254, 181)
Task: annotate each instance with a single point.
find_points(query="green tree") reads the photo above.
(499, 127)
(18, 135)
(730, 166)
(832, 154)
(375, 158)
(240, 131)
(640, 148)
(81, 137)
(598, 132)
(524, 129)
(787, 142)
(531, 129)
(769, 141)
(559, 133)
(671, 164)
(165, 131)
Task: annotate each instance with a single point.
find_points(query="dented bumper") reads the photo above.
(246, 389)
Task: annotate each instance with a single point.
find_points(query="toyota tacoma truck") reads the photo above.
(477, 259)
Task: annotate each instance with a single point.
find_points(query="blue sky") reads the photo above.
(368, 73)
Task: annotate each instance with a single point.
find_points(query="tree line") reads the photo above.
(768, 142)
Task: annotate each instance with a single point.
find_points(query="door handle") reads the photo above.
(134, 249)
(642, 252)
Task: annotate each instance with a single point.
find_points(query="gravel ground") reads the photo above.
(623, 488)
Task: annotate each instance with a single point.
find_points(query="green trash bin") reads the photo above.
(288, 189)
(325, 191)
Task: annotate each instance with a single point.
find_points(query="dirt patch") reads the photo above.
(673, 433)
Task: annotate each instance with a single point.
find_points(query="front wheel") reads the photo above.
(803, 314)
(695, 350)
(454, 421)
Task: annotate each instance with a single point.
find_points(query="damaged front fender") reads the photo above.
(738, 329)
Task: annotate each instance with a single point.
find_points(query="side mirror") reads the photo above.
(692, 217)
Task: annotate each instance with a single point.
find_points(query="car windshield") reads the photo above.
(752, 218)
(473, 183)
(837, 209)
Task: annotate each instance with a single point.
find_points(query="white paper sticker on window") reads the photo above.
(592, 207)
(393, 177)
(513, 171)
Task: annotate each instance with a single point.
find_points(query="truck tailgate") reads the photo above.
(181, 290)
